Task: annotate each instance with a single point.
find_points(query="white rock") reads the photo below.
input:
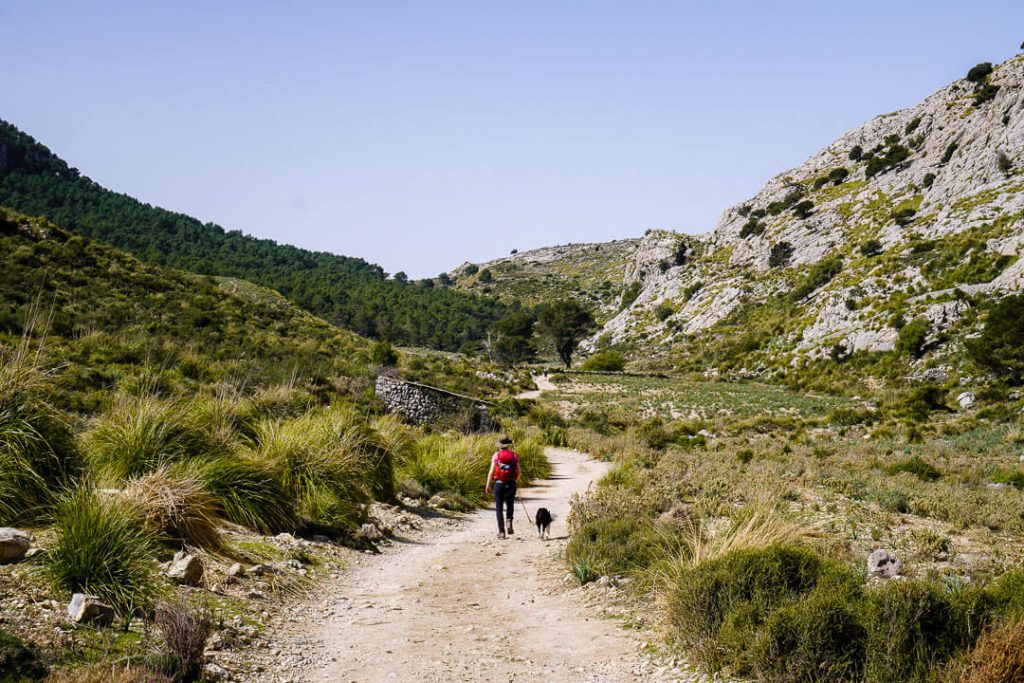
(88, 609)
(14, 543)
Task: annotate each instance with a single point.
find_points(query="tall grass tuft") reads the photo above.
(143, 435)
(758, 526)
(102, 546)
(998, 656)
(318, 462)
(37, 451)
(177, 508)
(245, 491)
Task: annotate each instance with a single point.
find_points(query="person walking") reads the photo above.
(501, 480)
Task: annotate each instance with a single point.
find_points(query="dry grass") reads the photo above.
(106, 673)
(759, 526)
(998, 657)
(177, 508)
(185, 632)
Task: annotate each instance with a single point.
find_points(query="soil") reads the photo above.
(455, 603)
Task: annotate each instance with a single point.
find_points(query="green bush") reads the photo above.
(102, 546)
(911, 338)
(979, 72)
(630, 294)
(803, 209)
(928, 180)
(382, 353)
(664, 310)
(948, 154)
(605, 361)
(780, 255)
(614, 547)
(820, 274)
(856, 152)
(1000, 346)
(913, 629)
(985, 93)
(247, 491)
(719, 608)
(819, 637)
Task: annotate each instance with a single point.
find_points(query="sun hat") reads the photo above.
(504, 441)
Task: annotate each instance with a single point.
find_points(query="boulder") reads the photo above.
(236, 570)
(966, 399)
(883, 564)
(186, 569)
(88, 609)
(14, 543)
(372, 532)
(215, 672)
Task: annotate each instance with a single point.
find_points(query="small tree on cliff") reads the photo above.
(562, 324)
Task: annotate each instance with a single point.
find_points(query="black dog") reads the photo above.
(544, 523)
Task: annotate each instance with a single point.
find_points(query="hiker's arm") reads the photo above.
(490, 476)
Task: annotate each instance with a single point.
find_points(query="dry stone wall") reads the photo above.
(429, 406)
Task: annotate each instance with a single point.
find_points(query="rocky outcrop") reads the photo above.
(185, 569)
(422, 404)
(884, 565)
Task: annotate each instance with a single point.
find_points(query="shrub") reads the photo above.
(803, 209)
(752, 228)
(928, 180)
(948, 154)
(605, 361)
(819, 637)
(914, 627)
(985, 93)
(912, 125)
(617, 546)
(472, 269)
(904, 217)
(1000, 346)
(176, 508)
(837, 175)
(664, 310)
(998, 657)
(102, 546)
(820, 274)
(382, 353)
(780, 254)
(1004, 163)
(911, 339)
(486, 276)
(979, 72)
(18, 661)
(921, 469)
(107, 672)
(871, 248)
(856, 152)
(718, 608)
(184, 632)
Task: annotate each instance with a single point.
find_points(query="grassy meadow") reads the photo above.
(743, 529)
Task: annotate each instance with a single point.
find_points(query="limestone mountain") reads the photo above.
(897, 236)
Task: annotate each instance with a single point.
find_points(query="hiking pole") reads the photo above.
(525, 511)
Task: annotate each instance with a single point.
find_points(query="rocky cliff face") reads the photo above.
(916, 214)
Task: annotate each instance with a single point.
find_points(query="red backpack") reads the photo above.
(506, 466)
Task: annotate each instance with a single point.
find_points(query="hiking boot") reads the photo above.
(501, 535)
(509, 526)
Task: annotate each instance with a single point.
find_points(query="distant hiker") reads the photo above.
(501, 479)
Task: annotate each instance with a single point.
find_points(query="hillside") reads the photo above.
(348, 292)
(915, 217)
(113, 322)
(592, 273)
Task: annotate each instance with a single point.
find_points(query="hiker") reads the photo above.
(502, 478)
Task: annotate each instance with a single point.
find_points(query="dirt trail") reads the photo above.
(543, 384)
(461, 605)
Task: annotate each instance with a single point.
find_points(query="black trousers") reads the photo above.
(504, 495)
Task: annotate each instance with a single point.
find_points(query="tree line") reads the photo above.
(345, 291)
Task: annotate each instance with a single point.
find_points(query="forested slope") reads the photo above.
(346, 291)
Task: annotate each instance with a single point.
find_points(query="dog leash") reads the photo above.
(525, 511)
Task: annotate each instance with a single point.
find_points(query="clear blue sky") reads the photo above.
(418, 135)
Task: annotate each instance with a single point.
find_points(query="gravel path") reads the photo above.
(457, 604)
